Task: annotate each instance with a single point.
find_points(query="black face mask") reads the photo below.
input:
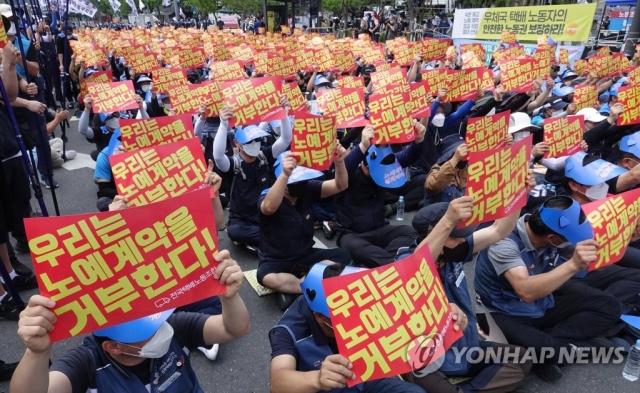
(462, 164)
(298, 190)
(457, 254)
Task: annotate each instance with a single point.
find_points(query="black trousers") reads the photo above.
(378, 247)
(621, 283)
(573, 319)
(18, 185)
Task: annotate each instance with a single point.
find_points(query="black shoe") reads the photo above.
(8, 309)
(329, 229)
(21, 247)
(6, 370)
(390, 210)
(24, 283)
(20, 268)
(547, 372)
(285, 300)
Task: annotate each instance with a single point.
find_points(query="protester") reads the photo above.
(516, 279)
(286, 251)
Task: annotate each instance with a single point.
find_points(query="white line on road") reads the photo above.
(81, 161)
(319, 244)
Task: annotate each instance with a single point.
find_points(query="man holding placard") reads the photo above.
(286, 251)
(516, 279)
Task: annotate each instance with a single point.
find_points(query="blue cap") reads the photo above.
(385, 170)
(562, 91)
(143, 79)
(566, 223)
(162, 96)
(313, 291)
(300, 173)
(613, 91)
(137, 330)
(596, 172)
(633, 321)
(631, 144)
(114, 142)
(250, 133)
(321, 80)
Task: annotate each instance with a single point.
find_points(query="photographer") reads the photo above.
(392, 27)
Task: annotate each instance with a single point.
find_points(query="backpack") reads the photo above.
(237, 169)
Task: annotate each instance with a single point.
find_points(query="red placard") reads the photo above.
(634, 76)
(564, 56)
(563, 135)
(314, 140)
(209, 92)
(435, 79)
(103, 269)
(294, 96)
(614, 221)
(585, 96)
(254, 100)
(478, 49)
(509, 53)
(434, 48)
(389, 81)
(3, 35)
(283, 66)
(96, 77)
(140, 133)
(508, 37)
(157, 173)
(380, 336)
(517, 75)
(112, 97)
(185, 99)
(227, 70)
(420, 93)
(498, 181)
(580, 66)
(166, 78)
(347, 105)
(390, 114)
(143, 62)
(351, 82)
(629, 97)
(487, 132)
(192, 57)
(465, 84)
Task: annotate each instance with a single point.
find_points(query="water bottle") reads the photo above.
(631, 370)
(400, 210)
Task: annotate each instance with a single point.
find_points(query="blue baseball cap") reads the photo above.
(321, 80)
(596, 171)
(137, 330)
(312, 288)
(384, 168)
(249, 133)
(300, 173)
(566, 223)
(631, 144)
(562, 91)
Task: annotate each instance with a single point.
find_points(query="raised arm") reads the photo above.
(83, 124)
(220, 140)
(286, 133)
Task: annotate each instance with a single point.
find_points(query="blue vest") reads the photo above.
(497, 294)
(310, 355)
(172, 373)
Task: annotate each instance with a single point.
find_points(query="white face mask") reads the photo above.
(518, 136)
(166, 106)
(597, 192)
(252, 148)
(556, 113)
(158, 346)
(492, 112)
(334, 84)
(113, 123)
(438, 120)
(69, 37)
(144, 88)
(12, 30)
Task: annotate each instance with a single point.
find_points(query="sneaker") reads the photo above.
(8, 309)
(285, 300)
(23, 283)
(70, 105)
(45, 182)
(212, 353)
(20, 268)
(547, 372)
(6, 370)
(329, 229)
(21, 247)
(317, 224)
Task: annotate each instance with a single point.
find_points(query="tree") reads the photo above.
(242, 7)
(204, 7)
(152, 5)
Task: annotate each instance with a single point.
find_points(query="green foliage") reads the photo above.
(242, 7)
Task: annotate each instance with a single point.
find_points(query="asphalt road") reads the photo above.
(243, 365)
